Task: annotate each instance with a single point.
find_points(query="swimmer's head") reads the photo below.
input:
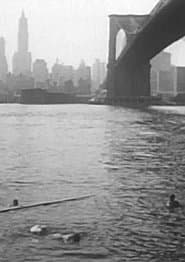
(172, 197)
(76, 237)
(15, 202)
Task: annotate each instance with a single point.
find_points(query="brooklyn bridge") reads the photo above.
(146, 35)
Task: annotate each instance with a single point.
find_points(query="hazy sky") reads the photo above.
(67, 29)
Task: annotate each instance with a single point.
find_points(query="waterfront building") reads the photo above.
(40, 73)
(84, 87)
(43, 96)
(67, 73)
(82, 72)
(63, 77)
(22, 58)
(56, 73)
(69, 80)
(162, 75)
(180, 80)
(15, 83)
(3, 61)
(98, 74)
(83, 79)
(69, 87)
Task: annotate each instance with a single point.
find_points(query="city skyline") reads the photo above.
(26, 75)
(69, 31)
(22, 59)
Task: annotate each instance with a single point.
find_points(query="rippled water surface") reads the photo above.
(132, 160)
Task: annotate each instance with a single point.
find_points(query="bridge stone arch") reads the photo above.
(131, 25)
(121, 42)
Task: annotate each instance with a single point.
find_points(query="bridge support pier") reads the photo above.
(129, 83)
(126, 79)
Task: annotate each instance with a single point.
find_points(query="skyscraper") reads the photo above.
(98, 74)
(83, 79)
(83, 72)
(162, 75)
(40, 73)
(3, 61)
(62, 73)
(22, 58)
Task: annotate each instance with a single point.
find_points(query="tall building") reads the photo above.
(40, 72)
(62, 73)
(98, 74)
(162, 75)
(83, 79)
(3, 61)
(56, 72)
(180, 80)
(82, 72)
(72, 81)
(67, 73)
(22, 58)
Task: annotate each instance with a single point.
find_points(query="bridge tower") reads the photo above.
(120, 79)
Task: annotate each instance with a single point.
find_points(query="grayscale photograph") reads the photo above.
(92, 130)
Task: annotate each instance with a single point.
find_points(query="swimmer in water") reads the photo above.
(173, 203)
(42, 230)
(15, 203)
(39, 230)
(67, 238)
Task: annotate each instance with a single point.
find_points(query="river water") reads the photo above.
(131, 159)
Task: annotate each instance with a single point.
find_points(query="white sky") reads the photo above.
(68, 29)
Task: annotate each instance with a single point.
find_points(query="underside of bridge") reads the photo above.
(129, 75)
